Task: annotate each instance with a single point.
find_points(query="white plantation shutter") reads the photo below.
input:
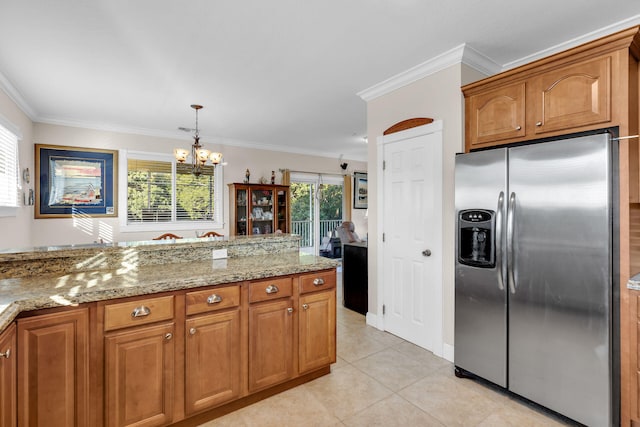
(149, 187)
(157, 193)
(8, 168)
(194, 195)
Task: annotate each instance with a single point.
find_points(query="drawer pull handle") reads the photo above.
(289, 310)
(318, 281)
(272, 289)
(538, 124)
(214, 299)
(168, 336)
(6, 354)
(305, 306)
(141, 311)
(518, 127)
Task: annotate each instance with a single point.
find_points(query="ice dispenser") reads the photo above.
(476, 244)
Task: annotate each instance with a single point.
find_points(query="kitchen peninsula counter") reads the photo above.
(52, 283)
(132, 328)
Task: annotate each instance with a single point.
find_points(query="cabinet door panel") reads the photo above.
(270, 343)
(53, 369)
(8, 378)
(578, 95)
(212, 360)
(139, 371)
(317, 330)
(497, 114)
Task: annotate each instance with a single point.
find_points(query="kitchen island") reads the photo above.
(160, 333)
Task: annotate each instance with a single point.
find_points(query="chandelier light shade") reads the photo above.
(199, 154)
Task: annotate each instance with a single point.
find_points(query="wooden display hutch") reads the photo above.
(258, 209)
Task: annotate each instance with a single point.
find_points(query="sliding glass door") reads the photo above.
(316, 208)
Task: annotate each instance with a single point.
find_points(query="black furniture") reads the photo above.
(355, 279)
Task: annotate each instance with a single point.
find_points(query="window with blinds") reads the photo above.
(8, 168)
(156, 195)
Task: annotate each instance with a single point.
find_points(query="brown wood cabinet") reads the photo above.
(139, 366)
(258, 209)
(139, 375)
(157, 360)
(213, 356)
(53, 369)
(551, 98)
(572, 96)
(270, 343)
(496, 115)
(8, 378)
(317, 321)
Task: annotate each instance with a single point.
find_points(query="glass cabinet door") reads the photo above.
(282, 211)
(262, 211)
(241, 212)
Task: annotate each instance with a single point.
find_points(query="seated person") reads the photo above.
(347, 233)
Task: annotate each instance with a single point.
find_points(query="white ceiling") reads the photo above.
(281, 74)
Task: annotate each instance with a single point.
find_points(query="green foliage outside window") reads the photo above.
(330, 198)
(149, 193)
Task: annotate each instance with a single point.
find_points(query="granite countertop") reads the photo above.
(54, 290)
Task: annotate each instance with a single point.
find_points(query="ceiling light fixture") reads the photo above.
(199, 155)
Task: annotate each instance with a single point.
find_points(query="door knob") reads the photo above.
(426, 252)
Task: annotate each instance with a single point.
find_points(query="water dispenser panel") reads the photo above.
(476, 238)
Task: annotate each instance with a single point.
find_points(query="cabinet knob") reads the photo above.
(538, 124)
(305, 306)
(518, 127)
(141, 311)
(214, 299)
(6, 354)
(318, 281)
(272, 289)
(289, 310)
(192, 331)
(168, 336)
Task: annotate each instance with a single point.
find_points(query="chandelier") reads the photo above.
(199, 155)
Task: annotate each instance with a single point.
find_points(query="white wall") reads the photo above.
(52, 231)
(23, 231)
(437, 96)
(16, 231)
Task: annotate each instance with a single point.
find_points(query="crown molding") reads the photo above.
(585, 38)
(209, 138)
(16, 97)
(479, 61)
(459, 54)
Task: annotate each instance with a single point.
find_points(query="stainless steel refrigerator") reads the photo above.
(534, 280)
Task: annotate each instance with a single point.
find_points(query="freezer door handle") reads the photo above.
(498, 237)
(511, 210)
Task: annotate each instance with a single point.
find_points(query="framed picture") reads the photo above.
(360, 198)
(75, 181)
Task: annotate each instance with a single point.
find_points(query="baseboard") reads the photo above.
(447, 352)
(372, 320)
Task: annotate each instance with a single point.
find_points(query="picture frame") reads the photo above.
(75, 181)
(360, 192)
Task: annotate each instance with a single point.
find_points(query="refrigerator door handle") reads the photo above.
(511, 210)
(498, 237)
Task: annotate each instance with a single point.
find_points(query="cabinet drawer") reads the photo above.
(317, 281)
(140, 312)
(213, 299)
(270, 289)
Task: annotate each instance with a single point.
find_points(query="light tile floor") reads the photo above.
(382, 380)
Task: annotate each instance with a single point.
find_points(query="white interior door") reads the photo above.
(412, 227)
